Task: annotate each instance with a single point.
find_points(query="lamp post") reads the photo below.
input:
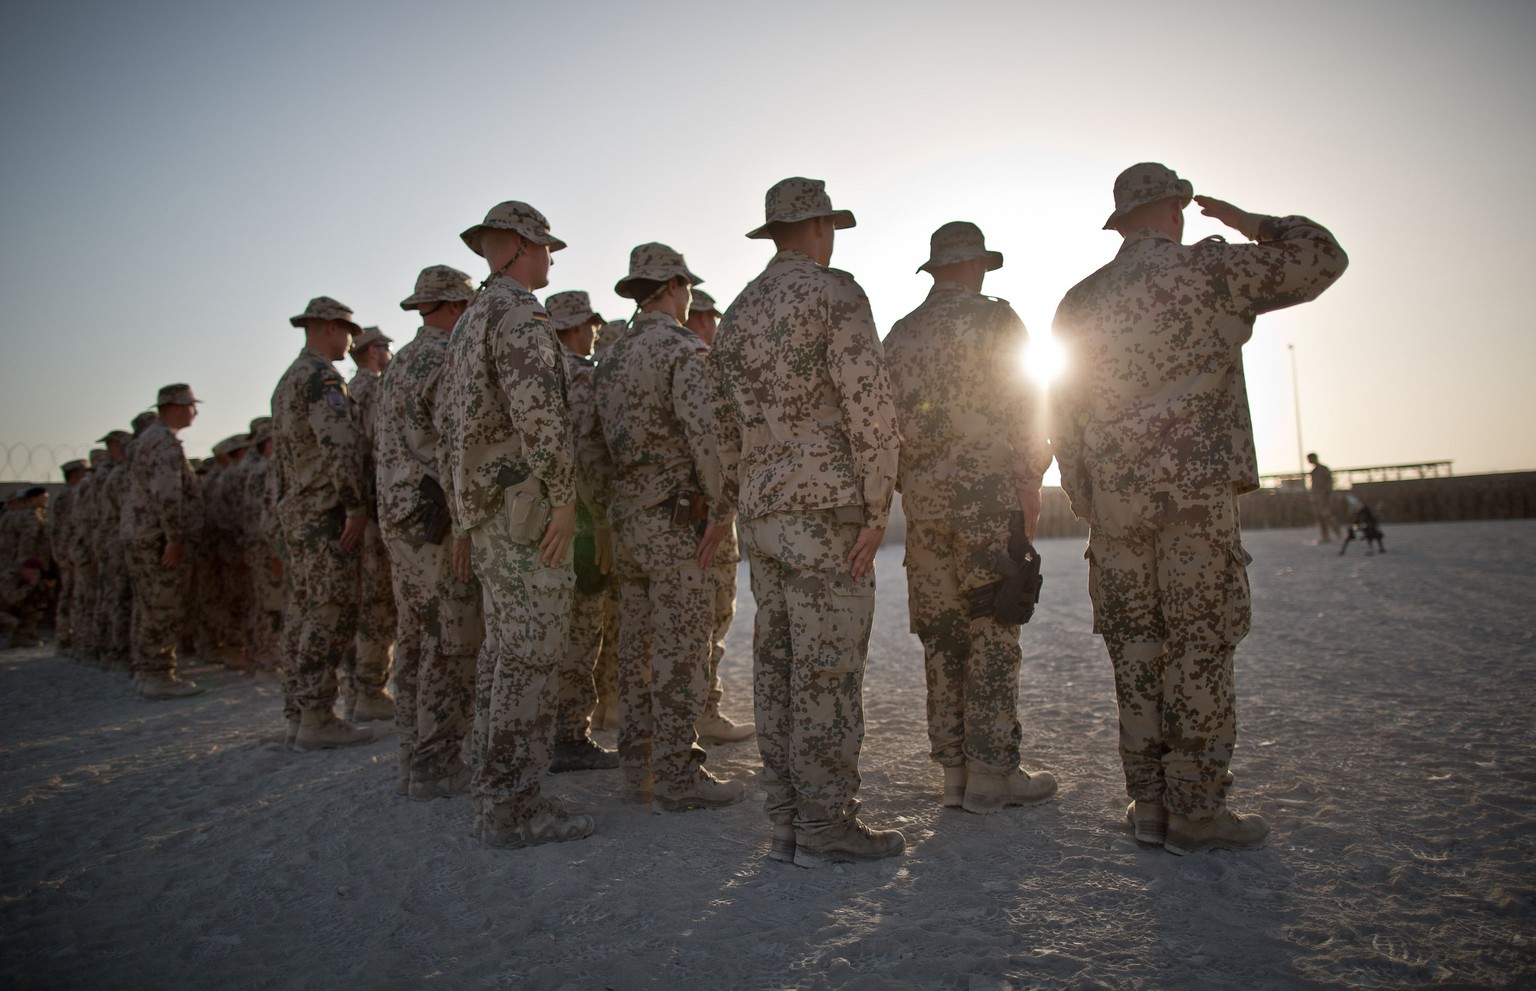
(1301, 459)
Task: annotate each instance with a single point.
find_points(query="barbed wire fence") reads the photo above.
(39, 463)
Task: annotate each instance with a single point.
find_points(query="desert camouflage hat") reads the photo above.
(798, 198)
(654, 262)
(143, 420)
(439, 284)
(261, 430)
(369, 337)
(117, 435)
(231, 444)
(703, 302)
(179, 394)
(513, 216)
(959, 241)
(75, 465)
(608, 333)
(1145, 183)
(325, 308)
(570, 309)
(100, 458)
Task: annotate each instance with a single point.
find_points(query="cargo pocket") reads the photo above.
(836, 634)
(527, 515)
(1239, 598)
(1094, 577)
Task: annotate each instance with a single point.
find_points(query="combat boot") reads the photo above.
(160, 685)
(581, 755)
(443, 786)
(1148, 821)
(291, 732)
(715, 728)
(704, 791)
(781, 846)
(954, 787)
(550, 823)
(320, 729)
(1227, 830)
(985, 793)
(848, 841)
(368, 707)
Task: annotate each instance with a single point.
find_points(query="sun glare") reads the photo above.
(1043, 359)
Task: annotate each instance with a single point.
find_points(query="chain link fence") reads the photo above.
(36, 463)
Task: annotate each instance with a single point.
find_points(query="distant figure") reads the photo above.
(1322, 499)
(1155, 441)
(23, 603)
(1362, 523)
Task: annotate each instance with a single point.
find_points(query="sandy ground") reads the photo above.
(1385, 731)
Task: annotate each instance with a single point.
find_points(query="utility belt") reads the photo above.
(688, 509)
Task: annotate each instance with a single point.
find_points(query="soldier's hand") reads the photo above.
(713, 534)
(602, 541)
(352, 532)
(461, 559)
(557, 536)
(1029, 504)
(1245, 223)
(861, 560)
(174, 551)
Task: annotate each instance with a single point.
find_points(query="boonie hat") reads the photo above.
(654, 262)
(369, 337)
(179, 394)
(959, 241)
(439, 284)
(703, 302)
(1147, 182)
(75, 465)
(143, 420)
(570, 309)
(261, 430)
(517, 216)
(798, 198)
(608, 333)
(325, 308)
(117, 435)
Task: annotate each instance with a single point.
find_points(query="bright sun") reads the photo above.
(1043, 359)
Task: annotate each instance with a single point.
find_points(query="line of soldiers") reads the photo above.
(512, 482)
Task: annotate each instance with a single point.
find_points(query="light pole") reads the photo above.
(1301, 459)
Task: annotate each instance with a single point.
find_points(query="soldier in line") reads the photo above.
(217, 574)
(1155, 441)
(10, 520)
(321, 503)
(61, 525)
(162, 515)
(27, 528)
(606, 675)
(973, 452)
(594, 597)
(366, 672)
(1322, 500)
(114, 604)
(808, 427)
(23, 603)
(713, 726)
(657, 465)
(83, 646)
(261, 542)
(437, 598)
(510, 474)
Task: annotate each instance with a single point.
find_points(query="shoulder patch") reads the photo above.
(337, 400)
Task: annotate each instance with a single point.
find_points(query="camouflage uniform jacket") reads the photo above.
(364, 390)
(60, 524)
(89, 511)
(807, 405)
(657, 434)
(583, 410)
(31, 535)
(260, 531)
(317, 443)
(502, 404)
(972, 425)
(406, 442)
(18, 597)
(1154, 397)
(160, 496)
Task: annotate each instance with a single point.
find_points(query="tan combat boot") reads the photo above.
(370, 707)
(848, 841)
(985, 793)
(445, 786)
(320, 729)
(159, 685)
(1148, 821)
(781, 846)
(1227, 830)
(550, 823)
(703, 791)
(715, 728)
(954, 787)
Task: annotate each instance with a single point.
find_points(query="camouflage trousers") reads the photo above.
(63, 614)
(527, 621)
(82, 610)
(605, 674)
(724, 615)
(664, 630)
(160, 598)
(440, 630)
(576, 691)
(320, 614)
(264, 610)
(1327, 523)
(114, 605)
(972, 665)
(1168, 577)
(366, 668)
(809, 646)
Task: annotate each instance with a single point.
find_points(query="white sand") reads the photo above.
(1385, 731)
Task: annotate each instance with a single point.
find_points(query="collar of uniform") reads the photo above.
(947, 286)
(792, 256)
(1141, 234)
(500, 277)
(654, 318)
(315, 355)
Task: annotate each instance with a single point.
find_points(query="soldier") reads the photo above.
(114, 604)
(29, 527)
(162, 514)
(607, 335)
(1322, 500)
(441, 625)
(714, 727)
(83, 638)
(594, 597)
(61, 538)
(367, 669)
(1152, 431)
(660, 481)
(23, 603)
(809, 427)
(509, 468)
(973, 453)
(261, 542)
(321, 505)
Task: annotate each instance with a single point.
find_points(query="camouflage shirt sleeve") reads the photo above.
(1293, 262)
(337, 431)
(533, 383)
(691, 381)
(857, 369)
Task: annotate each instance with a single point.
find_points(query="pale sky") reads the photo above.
(177, 179)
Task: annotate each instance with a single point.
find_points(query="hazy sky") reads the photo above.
(178, 179)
